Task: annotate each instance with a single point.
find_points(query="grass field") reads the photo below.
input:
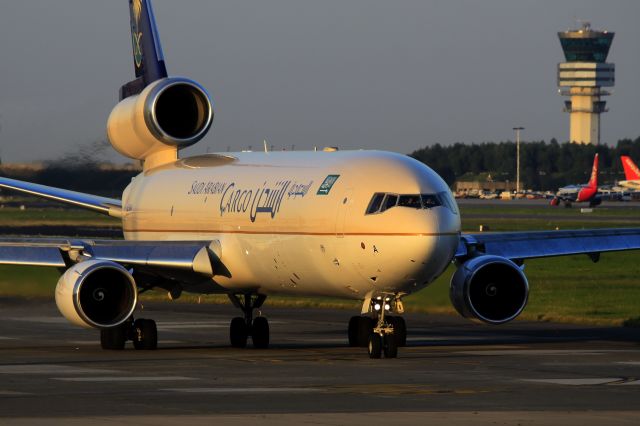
(571, 289)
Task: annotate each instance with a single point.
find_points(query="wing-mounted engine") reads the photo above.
(169, 114)
(96, 294)
(491, 289)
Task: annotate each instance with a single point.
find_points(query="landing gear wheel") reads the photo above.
(359, 330)
(364, 330)
(113, 338)
(352, 331)
(145, 334)
(260, 333)
(375, 346)
(238, 333)
(399, 330)
(390, 346)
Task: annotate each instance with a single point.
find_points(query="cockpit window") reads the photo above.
(412, 201)
(381, 202)
(375, 203)
(430, 200)
(447, 201)
(390, 201)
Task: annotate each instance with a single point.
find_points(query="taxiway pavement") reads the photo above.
(453, 371)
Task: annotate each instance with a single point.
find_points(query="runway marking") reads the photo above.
(96, 342)
(243, 390)
(7, 338)
(579, 382)
(200, 324)
(124, 379)
(318, 340)
(50, 369)
(166, 327)
(445, 339)
(554, 352)
(13, 393)
(629, 382)
(45, 320)
(629, 362)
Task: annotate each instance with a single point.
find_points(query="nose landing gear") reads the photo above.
(382, 333)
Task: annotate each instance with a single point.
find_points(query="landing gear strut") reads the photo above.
(383, 333)
(243, 327)
(143, 333)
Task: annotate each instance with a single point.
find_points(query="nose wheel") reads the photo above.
(242, 327)
(379, 344)
(381, 334)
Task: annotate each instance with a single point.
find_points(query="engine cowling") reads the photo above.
(96, 294)
(491, 289)
(169, 114)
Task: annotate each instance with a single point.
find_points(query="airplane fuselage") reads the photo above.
(303, 222)
(631, 184)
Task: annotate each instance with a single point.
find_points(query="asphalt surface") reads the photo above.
(452, 372)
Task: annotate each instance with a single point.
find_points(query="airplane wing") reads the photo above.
(194, 256)
(152, 263)
(519, 246)
(108, 206)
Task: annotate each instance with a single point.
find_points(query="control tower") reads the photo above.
(582, 78)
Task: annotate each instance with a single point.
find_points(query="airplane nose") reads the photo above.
(448, 225)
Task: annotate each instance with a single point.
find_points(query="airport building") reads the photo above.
(582, 78)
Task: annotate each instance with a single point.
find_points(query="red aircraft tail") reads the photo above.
(593, 182)
(631, 171)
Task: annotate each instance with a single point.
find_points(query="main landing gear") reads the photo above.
(143, 333)
(380, 333)
(243, 327)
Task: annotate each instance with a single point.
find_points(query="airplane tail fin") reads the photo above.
(593, 182)
(148, 59)
(631, 171)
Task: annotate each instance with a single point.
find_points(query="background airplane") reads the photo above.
(631, 174)
(366, 225)
(580, 193)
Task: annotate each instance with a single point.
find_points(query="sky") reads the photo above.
(358, 74)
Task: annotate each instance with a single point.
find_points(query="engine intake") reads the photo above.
(96, 294)
(169, 114)
(492, 289)
(178, 112)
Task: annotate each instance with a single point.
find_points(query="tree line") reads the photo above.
(543, 166)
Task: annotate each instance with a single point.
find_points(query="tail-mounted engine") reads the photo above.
(492, 289)
(96, 294)
(169, 114)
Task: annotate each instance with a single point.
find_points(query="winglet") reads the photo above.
(593, 182)
(631, 171)
(148, 59)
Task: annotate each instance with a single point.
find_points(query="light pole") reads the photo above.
(517, 129)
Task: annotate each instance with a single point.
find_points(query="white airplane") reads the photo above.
(367, 225)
